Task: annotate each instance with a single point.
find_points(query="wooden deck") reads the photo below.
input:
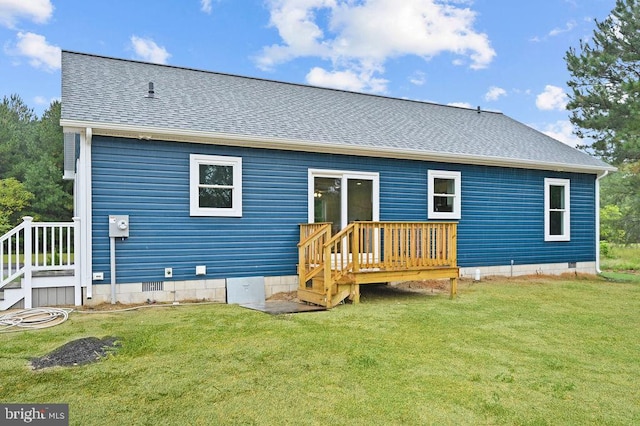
(331, 268)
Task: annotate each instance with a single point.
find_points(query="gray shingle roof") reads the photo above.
(112, 91)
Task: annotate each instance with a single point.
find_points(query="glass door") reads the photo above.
(343, 197)
(327, 202)
(359, 200)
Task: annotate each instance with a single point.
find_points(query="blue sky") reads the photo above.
(504, 55)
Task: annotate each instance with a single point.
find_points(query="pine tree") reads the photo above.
(604, 101)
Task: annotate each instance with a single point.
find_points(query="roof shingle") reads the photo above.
(98, 89)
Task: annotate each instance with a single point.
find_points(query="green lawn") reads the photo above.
(621, 258)
(544, 351)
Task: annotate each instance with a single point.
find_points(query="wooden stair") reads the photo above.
(332, 268)
(316, 293)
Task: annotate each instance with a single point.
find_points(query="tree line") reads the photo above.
(31, 165)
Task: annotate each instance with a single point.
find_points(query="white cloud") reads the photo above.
(38, 11)
(460, 104)
(418, 78)
(358, 37)
(41, 54)
(205, 6)
(346, 80)
(495, 93)
(147, 50)
(568, 27)
(522, 91)
(563, 131)
(553, 98)
(41, 100)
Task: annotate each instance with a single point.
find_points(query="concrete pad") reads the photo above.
(278, 307)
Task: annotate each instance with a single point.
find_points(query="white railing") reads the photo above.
(39, 246)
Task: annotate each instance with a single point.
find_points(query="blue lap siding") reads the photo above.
(502, 210)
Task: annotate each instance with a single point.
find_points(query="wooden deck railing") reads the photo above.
(374, 246)
(313, 237)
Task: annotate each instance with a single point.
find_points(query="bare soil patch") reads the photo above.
(289, 296)
(425, 286)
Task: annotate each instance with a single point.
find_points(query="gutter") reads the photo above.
(219, 138)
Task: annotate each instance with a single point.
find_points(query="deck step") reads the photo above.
(311, 296)
(339, 293)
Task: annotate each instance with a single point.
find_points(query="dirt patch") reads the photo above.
(289, 296)
(426, 286)
(77, 352)
(117, 306)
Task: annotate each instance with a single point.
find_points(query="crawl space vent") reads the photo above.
(153, 286)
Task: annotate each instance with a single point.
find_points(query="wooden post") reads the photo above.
(355, 247)
(328, 279)
(301, 267)
(454, 287)
(355, 293)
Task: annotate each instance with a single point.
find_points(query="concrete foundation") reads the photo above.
(535, 269)
(212, 290)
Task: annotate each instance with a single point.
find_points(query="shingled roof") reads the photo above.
(111, 96)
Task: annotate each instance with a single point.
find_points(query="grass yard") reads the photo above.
(621, 257)
(530, 352)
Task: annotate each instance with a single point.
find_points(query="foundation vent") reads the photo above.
(153, 286)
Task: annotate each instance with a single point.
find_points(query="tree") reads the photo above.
(43, 173)
(620, 201)
(17, 127)
(31, 154)
(14, 199)
(604, 101)
(51, 202)
(605, 85)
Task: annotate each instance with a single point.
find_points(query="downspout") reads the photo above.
(86, 222)
(606, 172)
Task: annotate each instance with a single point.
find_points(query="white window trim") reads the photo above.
(344, 175)
(566, 183)
(195, 160)
(457, 200)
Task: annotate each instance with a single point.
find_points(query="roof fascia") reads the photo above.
(218, 138)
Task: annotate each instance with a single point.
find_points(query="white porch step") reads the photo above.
(47, 281)
(9, 296)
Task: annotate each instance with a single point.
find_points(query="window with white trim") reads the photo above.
(215, 185)
(557, 211)
(444, 195)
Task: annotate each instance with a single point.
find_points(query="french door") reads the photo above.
(342, 197)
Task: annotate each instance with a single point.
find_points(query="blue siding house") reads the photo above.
(213, 175)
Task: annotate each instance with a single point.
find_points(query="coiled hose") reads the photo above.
(30, 319)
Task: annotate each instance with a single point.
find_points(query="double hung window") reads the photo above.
(444, 195)
(557, 212)
(215, 185)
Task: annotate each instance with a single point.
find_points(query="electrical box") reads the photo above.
(119, 226)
